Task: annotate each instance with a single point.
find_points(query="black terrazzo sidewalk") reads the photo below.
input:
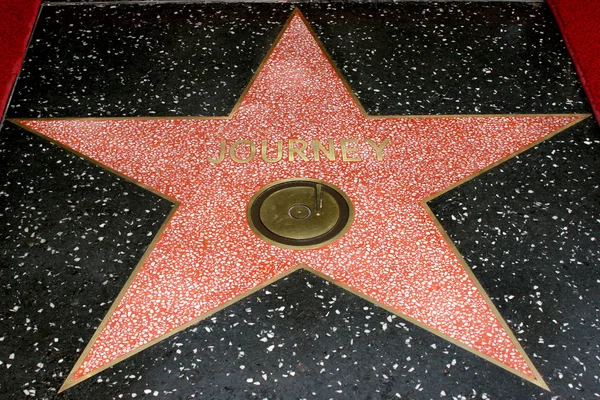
(72, 232)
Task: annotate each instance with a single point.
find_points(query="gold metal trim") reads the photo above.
(309, 247)
(516, 153)
(16, 122)
(538, 381)
(70, 382)
(368, 116)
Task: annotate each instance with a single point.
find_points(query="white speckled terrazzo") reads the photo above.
(394, 253)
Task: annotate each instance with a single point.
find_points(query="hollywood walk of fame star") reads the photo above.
(394, 254)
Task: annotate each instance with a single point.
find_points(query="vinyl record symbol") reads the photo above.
(300, 213)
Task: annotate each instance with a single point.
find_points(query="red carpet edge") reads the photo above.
(18, 19)
(578, 22)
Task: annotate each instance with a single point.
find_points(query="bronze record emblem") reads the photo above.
(300, 213)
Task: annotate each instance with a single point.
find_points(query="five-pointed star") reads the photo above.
(394, 254)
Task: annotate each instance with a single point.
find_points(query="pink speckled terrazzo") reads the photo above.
(394, 253)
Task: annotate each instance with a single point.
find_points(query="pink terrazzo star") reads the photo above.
(394, 253)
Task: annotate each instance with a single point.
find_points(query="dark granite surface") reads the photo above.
(304, 337)
(73, 232)
(451, 58)
(143, 60)
(529, 229)
(497, 58)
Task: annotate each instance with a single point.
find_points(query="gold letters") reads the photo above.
(244, 150)
(297, 150)
(263, 152)
(221, 154)
(318, 146)
(233, 154)
(378, 149)
(346, 149)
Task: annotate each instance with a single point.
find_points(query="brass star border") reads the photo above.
(73, 380)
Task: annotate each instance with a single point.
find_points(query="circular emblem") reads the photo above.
(300, 213)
